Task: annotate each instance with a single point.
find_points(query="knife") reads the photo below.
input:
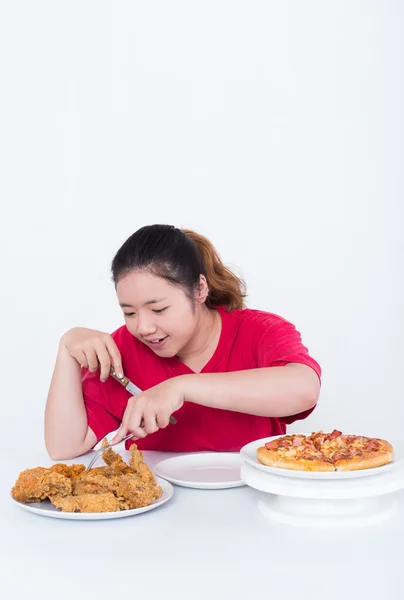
(132, 388)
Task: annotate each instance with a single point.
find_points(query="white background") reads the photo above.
(273, 128)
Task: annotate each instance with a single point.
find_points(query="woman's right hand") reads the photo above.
(93, 349)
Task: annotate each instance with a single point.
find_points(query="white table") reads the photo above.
(201, 544)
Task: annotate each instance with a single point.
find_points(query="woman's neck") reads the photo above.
(203, 343)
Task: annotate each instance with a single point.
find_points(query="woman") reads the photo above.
(230, 374)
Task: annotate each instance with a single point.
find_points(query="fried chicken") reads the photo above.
(87, 503)
(70, 471)
(34, 485)
(56, 484)
(71, 488)
(133, 493)
(140, 468)
(94, 483)
(28, 487)
(115, 463)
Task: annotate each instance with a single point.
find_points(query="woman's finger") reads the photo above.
(92, 360)
(104, 359)
(150, 422)
(163, 419)
(136, 422)
(123, 430)
(120, 434)
(81, 358)
(115, 355)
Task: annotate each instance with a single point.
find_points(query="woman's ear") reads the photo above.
(201, 290)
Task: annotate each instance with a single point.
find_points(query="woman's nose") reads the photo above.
(145, 326)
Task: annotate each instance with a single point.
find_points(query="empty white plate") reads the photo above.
(206, 470)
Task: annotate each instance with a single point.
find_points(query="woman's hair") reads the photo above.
(180, 256)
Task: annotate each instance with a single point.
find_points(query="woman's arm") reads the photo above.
(67, 434)
(266, 392)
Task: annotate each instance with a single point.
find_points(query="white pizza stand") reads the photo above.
(323, 500)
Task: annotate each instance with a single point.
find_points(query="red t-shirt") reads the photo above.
(249, 339)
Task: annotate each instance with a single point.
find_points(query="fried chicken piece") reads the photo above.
(117, 469)
(115, 462)
(110, 471)
(70, 471)
(93, 470)
(110, 457)
(34, 485)
(94, 483)
(140, 468)
(133, 486)
(99, 480)
(132, 493)
(28, 487)
(54, 483)
(87, 503)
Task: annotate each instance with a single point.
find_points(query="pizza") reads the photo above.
(325, 452)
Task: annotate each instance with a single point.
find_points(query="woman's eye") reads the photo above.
(129, 314)
(159, 311)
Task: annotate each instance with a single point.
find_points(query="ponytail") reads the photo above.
(225, 288)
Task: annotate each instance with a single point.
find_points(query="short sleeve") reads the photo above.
(281, 344)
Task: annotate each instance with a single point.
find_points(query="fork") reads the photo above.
(127, 437)
(104, 448)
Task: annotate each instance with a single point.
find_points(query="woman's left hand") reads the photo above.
(151, 410)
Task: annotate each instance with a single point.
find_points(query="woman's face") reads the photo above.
(156, 312)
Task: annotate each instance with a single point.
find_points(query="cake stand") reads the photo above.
(325, 502)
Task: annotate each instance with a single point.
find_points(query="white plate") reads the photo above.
(249, 454)
(47, 509)
(208, 471)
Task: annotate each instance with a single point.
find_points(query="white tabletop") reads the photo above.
(201, 544)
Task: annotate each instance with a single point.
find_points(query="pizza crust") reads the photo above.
(386, 447)
(366, 461)
(271, 458)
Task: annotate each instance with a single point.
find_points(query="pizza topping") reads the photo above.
(374, 445)
(317, 439)
(271, 445)
(290, 452)
(287, 442)
(342, 455)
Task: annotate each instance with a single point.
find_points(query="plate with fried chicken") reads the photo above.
(116, 489)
